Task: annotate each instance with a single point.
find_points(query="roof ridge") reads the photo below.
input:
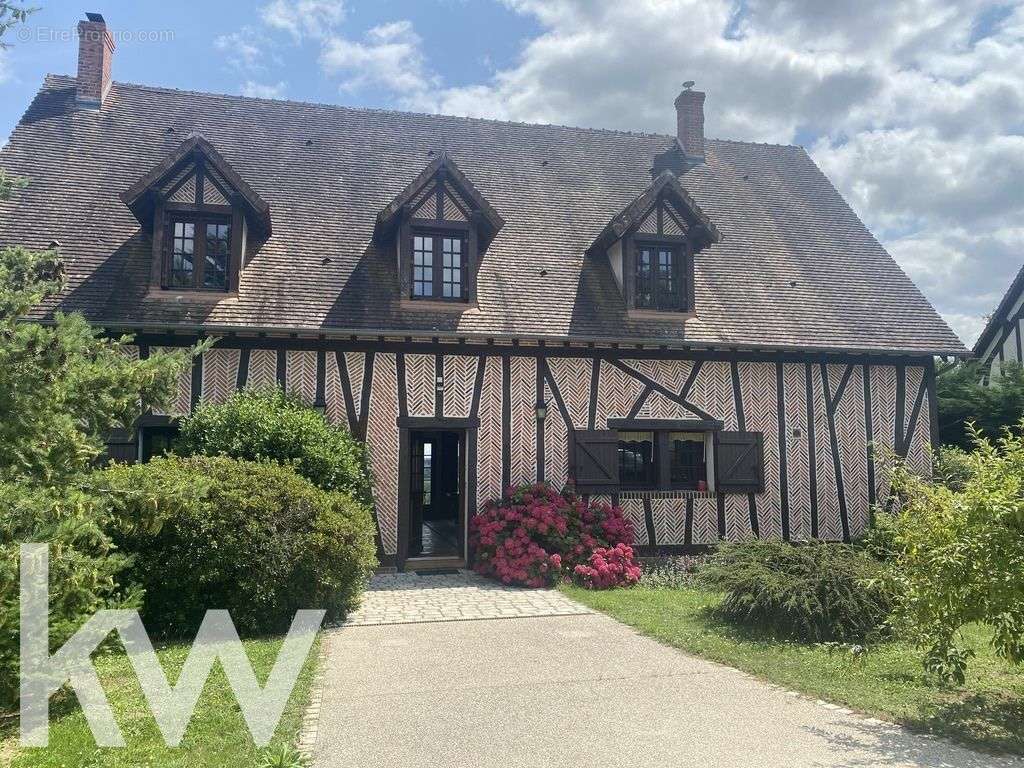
(757, 143)
(382, 111)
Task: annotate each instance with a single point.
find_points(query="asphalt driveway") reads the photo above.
(565, 690)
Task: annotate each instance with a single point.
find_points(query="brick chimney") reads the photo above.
(690, 121)
(95, 53)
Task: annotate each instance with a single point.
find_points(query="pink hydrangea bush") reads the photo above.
(608, 567)
(535, 536)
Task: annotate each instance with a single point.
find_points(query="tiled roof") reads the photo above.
(795, 267)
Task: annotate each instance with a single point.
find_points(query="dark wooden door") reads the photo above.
(421, 481)
(445, 502)
(435, 493)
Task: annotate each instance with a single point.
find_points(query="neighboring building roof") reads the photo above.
(795, 267)
(998, 320)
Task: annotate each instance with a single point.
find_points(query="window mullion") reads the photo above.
(463, 270)
(663, 458)
(655, 278)
(199, 254)
(438, 267)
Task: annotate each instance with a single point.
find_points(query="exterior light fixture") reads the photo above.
(541, 410)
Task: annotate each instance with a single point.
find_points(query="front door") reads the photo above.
(435, 494)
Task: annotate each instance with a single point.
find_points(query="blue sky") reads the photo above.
(913, 108)
(185, 53)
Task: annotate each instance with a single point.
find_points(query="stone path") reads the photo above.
(405, 598)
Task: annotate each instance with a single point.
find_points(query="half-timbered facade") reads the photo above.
(1000, 340)
(700, 330)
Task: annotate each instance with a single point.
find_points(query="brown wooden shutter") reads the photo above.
(596, 461)
(739, 462)
(121, 447)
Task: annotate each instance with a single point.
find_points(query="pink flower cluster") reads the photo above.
(607, 568)
(535, 535)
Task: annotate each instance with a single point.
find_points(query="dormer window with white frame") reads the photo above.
(440, 224)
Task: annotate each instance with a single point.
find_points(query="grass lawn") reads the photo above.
(987, 712)
(216, 736)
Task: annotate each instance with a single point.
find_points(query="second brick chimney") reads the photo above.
(690, 121)
(95, 54)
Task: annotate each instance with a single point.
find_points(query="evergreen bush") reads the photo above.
(813, 592)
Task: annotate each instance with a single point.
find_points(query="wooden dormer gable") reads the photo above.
(662, 228)
(196, 174)
(201, 216)
(443, 212)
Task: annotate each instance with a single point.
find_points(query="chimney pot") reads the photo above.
(95, 55)
(690, 121)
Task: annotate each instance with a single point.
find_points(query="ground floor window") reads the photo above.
(688, 462)
(157, 441)
(664, 460)
(637, 468)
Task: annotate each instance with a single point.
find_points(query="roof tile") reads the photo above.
(795, 266)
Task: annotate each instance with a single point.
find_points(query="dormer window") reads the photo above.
(202, 218)
(650, 247)
(661, 276)
(199, 253)
(439, 226)
(438, 264)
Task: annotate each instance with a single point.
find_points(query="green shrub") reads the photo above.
(266, 423)
(952, 467)
(85, 567)
(255, 538)
(964, 399)
(958, 555)
(813, 592)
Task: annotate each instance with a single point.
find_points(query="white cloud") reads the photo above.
(246, 50)
(917, 111)
(389, 55)
(303, 18)
(264, 90)
(912, 107)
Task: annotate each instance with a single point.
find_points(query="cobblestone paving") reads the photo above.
(406, 598)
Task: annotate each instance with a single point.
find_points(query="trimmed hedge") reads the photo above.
(254, 538)
(814, 592)
(266, 423)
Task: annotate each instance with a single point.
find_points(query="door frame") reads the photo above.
(467, 431)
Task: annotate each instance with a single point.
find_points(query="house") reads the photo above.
(1000, 341)
(701, 330)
